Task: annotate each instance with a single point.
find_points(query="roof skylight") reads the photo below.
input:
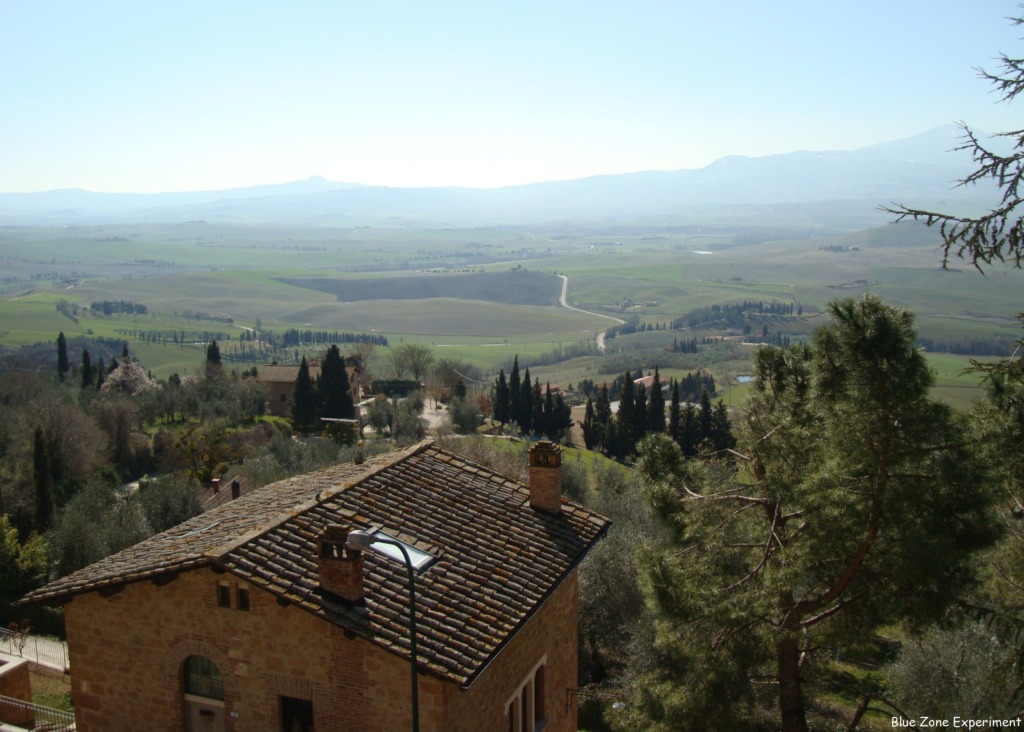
(418, 557)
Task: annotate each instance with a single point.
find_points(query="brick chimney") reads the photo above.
(341, 568)
(546, 476)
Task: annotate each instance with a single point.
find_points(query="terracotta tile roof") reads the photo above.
(497, 558)
(284, 373)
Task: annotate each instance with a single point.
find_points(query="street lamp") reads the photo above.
(359, 540)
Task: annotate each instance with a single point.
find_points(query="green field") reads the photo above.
(484, 295)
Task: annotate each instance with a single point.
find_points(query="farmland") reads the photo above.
(479, 295)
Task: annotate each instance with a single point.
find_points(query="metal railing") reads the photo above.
(41, 651)
(34, 717)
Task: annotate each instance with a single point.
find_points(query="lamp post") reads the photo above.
(360, 540)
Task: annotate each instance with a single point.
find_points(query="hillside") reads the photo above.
(842, 189)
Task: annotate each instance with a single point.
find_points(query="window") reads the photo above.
(526, 708)
(202, 678)
(224, 596)
(296, 715)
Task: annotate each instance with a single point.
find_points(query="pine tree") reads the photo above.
(868, 504)
(62, 357)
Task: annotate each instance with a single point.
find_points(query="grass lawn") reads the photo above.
(52, 689)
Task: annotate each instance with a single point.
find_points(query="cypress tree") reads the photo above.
(689, 432)
(603, 408)
(625, 416)
(212, 357)
(514, 395)
(721, 431)
(549, 413)
(335, 399)
(42, 479)
(62, 357)
(526, 405)
(562, 417)
(87, 375)
(537, 409)
(500, 408)
(101, 374)
(675, 414)
(656, 406)
(639, 414)
(304, 401)
(706, 419)
(590, 427)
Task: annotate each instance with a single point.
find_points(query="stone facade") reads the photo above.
(127, 652)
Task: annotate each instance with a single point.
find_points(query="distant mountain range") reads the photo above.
(829, 189)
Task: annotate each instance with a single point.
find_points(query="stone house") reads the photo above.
(280, 382)
(256, 615)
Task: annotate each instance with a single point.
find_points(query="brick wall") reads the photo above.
(552, 633)
(15, 678)
(127, 652)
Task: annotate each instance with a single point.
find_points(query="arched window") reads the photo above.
(202, 678)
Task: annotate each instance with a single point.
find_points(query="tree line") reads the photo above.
(528, 407)
(641, 411)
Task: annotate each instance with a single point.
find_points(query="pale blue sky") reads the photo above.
(145, 96)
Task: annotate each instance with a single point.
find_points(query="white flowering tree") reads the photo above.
(129, 378)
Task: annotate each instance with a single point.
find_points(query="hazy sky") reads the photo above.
(145, 96)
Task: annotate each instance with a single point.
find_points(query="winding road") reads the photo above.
(564, 304)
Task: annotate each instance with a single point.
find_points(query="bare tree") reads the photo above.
(997, 235)
(415, 357)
